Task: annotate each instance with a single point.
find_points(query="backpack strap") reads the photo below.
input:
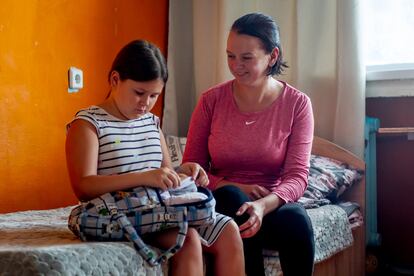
(152, 257)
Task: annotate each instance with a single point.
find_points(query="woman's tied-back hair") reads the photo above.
(140, 61)
(264, 28)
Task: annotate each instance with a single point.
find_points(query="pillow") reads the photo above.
(176, 146)
(328, 179)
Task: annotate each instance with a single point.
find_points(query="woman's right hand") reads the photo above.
(163, 178)
(254, 192)
(255, 210)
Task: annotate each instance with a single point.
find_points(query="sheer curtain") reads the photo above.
(322, 44)
(330, 69)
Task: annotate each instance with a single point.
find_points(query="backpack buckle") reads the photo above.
(166, 216)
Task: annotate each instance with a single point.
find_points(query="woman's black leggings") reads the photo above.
(287, 229)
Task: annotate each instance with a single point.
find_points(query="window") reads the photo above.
(389, 39)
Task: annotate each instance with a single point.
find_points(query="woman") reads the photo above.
(118, 145)
(253, 135)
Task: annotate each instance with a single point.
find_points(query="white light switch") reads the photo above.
(75, 79)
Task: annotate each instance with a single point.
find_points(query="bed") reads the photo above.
(39, 242)
(350, 261)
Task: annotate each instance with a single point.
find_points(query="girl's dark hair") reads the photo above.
(264, 28)
(140, 60)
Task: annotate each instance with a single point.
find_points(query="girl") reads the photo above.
(118, 144)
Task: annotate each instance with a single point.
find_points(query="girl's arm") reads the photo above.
(166, 159)
(82, 159)
(186, 169)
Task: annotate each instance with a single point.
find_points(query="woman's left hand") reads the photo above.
(256, 211)
(196, 172)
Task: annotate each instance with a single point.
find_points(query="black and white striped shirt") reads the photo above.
(124, 146)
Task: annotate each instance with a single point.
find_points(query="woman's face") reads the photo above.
(247, 59)
(134, 98)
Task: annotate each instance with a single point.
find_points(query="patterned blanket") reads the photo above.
(39, 243)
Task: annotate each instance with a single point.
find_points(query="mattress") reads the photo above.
(39, 243)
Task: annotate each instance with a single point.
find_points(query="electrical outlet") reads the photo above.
(75, 79)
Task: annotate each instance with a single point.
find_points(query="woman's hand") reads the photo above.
(163, 178)
(196, 172)
(256, 211)
(254, 192)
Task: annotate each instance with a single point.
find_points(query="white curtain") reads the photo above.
(180, 95)
(330, 68)
(322, 44)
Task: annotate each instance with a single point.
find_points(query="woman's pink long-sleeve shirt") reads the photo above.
(270, 148)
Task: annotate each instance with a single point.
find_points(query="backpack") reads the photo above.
(126, 215)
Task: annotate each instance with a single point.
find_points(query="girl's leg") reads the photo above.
(228, 201)
(227, 252)
(289, 230)
(188, 260)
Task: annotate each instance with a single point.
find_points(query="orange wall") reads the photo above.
(39, 41)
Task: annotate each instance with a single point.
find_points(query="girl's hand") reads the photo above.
(182, 176)
(196, 172)
(256, 211)
(163, 178)
(254, 192)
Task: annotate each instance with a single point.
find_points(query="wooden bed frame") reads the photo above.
(352, 260)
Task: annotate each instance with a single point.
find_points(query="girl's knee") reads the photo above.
(229, 240)
(189, 259)
(232, 234)
(191, 247)
(192, 240)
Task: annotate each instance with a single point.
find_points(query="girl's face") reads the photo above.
(134, 98)
(247, 59)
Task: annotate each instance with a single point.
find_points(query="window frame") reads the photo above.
(400, 71)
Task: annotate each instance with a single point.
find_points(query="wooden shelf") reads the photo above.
(395, 130)
(407, 132)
